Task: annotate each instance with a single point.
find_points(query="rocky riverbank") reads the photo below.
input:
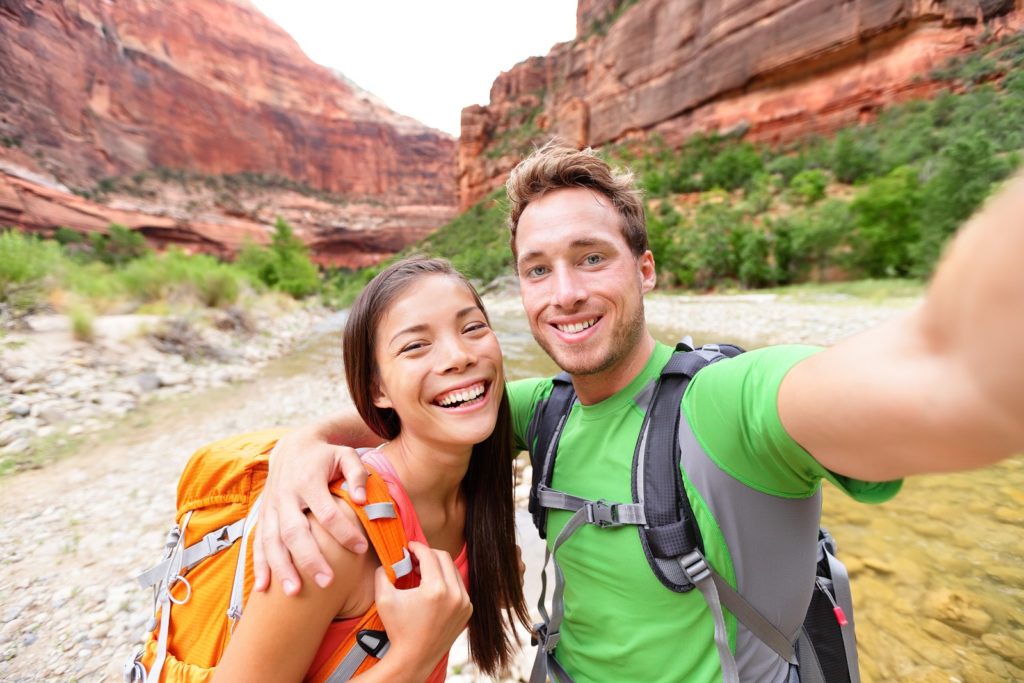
(54, 388)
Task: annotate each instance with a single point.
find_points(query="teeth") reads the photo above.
(462, 395)
(576, 327)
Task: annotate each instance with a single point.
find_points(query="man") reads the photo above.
(937, 389)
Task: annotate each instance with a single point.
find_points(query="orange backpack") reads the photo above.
(206, 570)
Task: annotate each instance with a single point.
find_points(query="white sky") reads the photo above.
(426, 60)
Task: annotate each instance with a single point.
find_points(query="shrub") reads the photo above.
(26, 264)
(851, 158)
(967, 171)
(733, 167)
(887, 216)
(82, 324)
(808, 187)
(285, 266)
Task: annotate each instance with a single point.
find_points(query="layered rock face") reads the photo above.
(95, 89)
(772, 70)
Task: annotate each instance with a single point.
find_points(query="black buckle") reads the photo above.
(373, 642)
(601, 513)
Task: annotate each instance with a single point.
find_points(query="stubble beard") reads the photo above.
(625, 338)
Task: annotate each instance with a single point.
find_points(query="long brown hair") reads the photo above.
(494, 580)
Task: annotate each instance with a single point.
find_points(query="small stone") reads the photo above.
(877, 565)
(17, 446)
(1010, 515)
(956, 610)
(20, 409)
(15, 374)
(52, 415)
(14, 431)
(1005, 646)
(61, 597)
(170, 379)
(148, 381)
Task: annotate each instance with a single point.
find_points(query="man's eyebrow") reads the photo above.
(422, 327)
(575, 244)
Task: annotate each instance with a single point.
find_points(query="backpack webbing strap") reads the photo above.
(163, 597)
(699, 573)
(598, 512)
(546, 633)
(238, 586)
(367, 643)
(542, 437)
(210, 544)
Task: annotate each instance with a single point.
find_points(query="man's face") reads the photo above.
(581, 286)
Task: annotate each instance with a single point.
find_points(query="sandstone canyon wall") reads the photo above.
(771, 70)
(93, 89)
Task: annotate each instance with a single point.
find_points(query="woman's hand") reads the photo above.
(423, 622)
(302, 465)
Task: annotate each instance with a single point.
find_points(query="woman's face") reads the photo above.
(439, 363)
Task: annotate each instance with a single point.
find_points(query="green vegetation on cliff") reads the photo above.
(874, 201)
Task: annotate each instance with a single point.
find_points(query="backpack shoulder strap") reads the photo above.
(368, 642)
(542, 437)
(670, 532)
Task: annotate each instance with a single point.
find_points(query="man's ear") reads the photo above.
(648, 274)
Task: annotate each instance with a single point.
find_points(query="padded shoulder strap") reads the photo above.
(368, 642)
(542, 436)
(670, 532)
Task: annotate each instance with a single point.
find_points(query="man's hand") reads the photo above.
(423, 622)
(302, 465)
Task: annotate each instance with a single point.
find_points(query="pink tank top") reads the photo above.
(340, 628)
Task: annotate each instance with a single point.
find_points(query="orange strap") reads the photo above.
(387, 535)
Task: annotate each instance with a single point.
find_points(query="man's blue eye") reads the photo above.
(594, 259)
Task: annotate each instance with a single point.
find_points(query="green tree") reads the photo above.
(887, 216)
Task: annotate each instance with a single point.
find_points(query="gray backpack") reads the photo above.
(825, 650)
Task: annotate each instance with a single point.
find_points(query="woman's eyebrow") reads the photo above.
(422, 327)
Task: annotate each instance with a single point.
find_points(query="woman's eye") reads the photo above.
(475, 326)
(414, 346)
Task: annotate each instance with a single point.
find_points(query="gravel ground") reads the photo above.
(73, 534)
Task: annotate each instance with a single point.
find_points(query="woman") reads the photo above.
(425, 372)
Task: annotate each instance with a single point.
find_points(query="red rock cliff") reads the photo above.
(770, 69)
(94, 89)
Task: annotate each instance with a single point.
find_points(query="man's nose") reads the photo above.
(569, 290)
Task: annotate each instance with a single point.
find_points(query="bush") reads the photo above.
(82, 324)
(733, 167)
(887, 215)
(119, 246)
(808, 240)
(808, 187)
(285, 266)
(26, 264)
(967, 171)
(176, 276)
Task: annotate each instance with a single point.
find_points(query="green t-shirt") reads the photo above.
(620, 622)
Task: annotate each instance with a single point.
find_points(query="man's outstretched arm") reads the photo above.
(302, 464)
(939, 389)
